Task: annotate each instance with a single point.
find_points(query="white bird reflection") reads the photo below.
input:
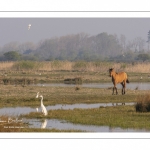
(44, 123)
(37, 109)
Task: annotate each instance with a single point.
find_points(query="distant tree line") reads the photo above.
(100, 47)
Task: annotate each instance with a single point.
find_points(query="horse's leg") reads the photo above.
(116, 88)
(113, 90)
(116, 91)
(122, 88)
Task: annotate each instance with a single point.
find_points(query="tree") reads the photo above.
(148, 39)
(123, 41)
(141, 43)
(143, 57)
(12, 55)
(138, 44)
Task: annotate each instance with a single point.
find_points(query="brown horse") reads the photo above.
(120, 77)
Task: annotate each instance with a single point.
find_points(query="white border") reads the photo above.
(74, 5)
(74, 135)
(74, 14)
(101, 9)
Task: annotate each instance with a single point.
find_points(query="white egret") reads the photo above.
(29, 26)
(44, 111)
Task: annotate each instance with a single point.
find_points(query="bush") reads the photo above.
(143, 104)
(21, 65)
(80, 64)
(12, 56)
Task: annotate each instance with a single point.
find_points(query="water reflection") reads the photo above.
(44, 123)
(61, 124)
(16, 111)
(64, 125)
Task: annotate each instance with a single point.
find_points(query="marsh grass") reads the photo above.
(143, 103)
(57, 71)
(12, 96)
(79, 65)
(118, 116)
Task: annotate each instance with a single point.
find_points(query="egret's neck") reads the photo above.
(41, 100)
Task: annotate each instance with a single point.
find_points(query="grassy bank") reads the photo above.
(117, 116)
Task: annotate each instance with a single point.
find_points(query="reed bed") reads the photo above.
(139, 67)
(6, 65)
(74, 66)
(58, 71)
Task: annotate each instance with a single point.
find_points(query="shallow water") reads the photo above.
(15, 111)
(131, 86)
(64, 125)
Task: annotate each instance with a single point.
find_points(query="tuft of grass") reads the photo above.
(143, 103)
(77, 88)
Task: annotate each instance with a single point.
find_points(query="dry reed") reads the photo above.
(80, 66)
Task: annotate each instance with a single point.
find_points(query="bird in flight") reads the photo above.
(29, 26)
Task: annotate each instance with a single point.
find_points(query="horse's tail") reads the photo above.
(127, 81)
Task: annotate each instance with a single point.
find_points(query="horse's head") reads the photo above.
(110, 71)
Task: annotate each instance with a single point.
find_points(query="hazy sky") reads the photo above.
(16, 29)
